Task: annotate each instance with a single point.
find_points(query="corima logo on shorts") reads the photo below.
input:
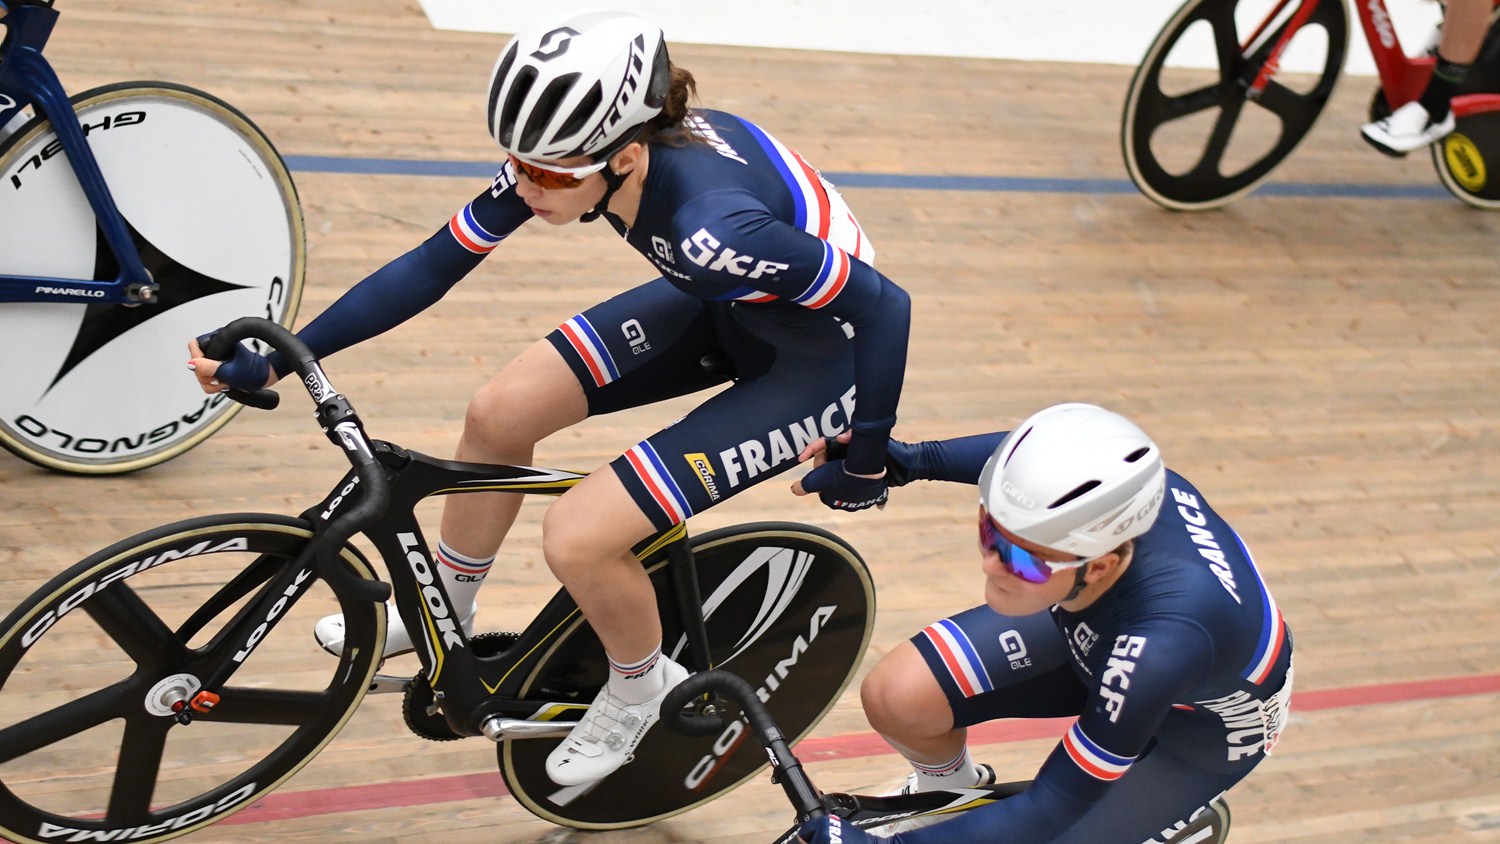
(705, 469)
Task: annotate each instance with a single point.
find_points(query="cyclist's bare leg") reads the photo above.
(587, 536)
(905, 704)
(1464, 25)
(535, 396)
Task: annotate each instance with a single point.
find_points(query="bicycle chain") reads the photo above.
(417, 705)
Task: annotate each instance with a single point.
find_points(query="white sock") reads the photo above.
(462, 576)
(638, 681)
(958, 772)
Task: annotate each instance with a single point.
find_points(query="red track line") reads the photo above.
(425, 792)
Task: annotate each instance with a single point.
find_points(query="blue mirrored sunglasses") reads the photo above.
(1017, 560)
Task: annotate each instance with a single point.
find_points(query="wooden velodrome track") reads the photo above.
(1324, 367)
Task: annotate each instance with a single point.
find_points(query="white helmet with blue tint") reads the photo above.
(1075, 478)
(578, 86)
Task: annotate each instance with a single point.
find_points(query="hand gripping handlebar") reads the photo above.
(342, 427)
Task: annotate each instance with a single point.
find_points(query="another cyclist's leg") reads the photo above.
(973, 667)
(534, 396)
(1429, 118)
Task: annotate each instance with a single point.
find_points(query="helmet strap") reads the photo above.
(612, 183)
(1078, 584)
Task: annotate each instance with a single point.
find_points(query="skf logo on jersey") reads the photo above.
(705, 250)
(705, 469)
(504, 180)
(1116, 679)
(781, 446)
(635, 335)
(1014, 648)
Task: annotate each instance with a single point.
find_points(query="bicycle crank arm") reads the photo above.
(499, 729)
(384, 684)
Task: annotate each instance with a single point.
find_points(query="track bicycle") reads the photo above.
(680, 714)
(167, 681)
(1198, 139)
(131, 215)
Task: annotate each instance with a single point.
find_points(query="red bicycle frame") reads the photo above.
(1402, 77)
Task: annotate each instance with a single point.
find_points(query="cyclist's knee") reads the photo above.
(582, 532)
(530, 399)
(900, 696)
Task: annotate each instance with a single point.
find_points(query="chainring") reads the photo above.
(419, 705)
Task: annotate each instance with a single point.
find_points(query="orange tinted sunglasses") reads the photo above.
(556, 178)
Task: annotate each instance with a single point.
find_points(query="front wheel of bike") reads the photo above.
(208, 202)
(1191, 137)
(91, 665)
(788, 607)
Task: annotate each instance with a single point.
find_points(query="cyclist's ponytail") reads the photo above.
(671, 127)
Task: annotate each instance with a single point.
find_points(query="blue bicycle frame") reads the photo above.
(27, 77)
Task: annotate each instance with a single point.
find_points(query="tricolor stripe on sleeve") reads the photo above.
(1093, 759)
(830, 281)
(470, 235)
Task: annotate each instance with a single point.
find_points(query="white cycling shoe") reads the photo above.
(1407, 129)
(607, 736)
(329, 631)
(985, 775)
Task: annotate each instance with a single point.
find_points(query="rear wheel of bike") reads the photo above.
(1468, 159)
(1190, 137)
(789, 607)
(90, 665)
(100, 389)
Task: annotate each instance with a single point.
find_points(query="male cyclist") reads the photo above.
(1114, 595)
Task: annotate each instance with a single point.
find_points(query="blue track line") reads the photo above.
(896, 181)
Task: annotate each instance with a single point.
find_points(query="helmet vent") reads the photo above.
(501, 73)
(1017, 447)
(1077, 491)
(1137, 454)
(581, 114)
(546, 107)
(520, 88)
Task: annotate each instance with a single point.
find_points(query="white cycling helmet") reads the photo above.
(1075, 478)
(579, 86)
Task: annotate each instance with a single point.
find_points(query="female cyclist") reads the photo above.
(762, 266)
(1114, 595)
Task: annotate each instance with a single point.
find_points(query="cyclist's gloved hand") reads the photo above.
(842, 491)
(901, 459)
(829, 828)
(244, 370)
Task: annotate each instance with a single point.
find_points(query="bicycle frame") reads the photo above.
(481, 695)
(28, 78)
(1402, 77)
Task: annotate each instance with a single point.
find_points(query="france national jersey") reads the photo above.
(1179, 676)
(761, 264)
